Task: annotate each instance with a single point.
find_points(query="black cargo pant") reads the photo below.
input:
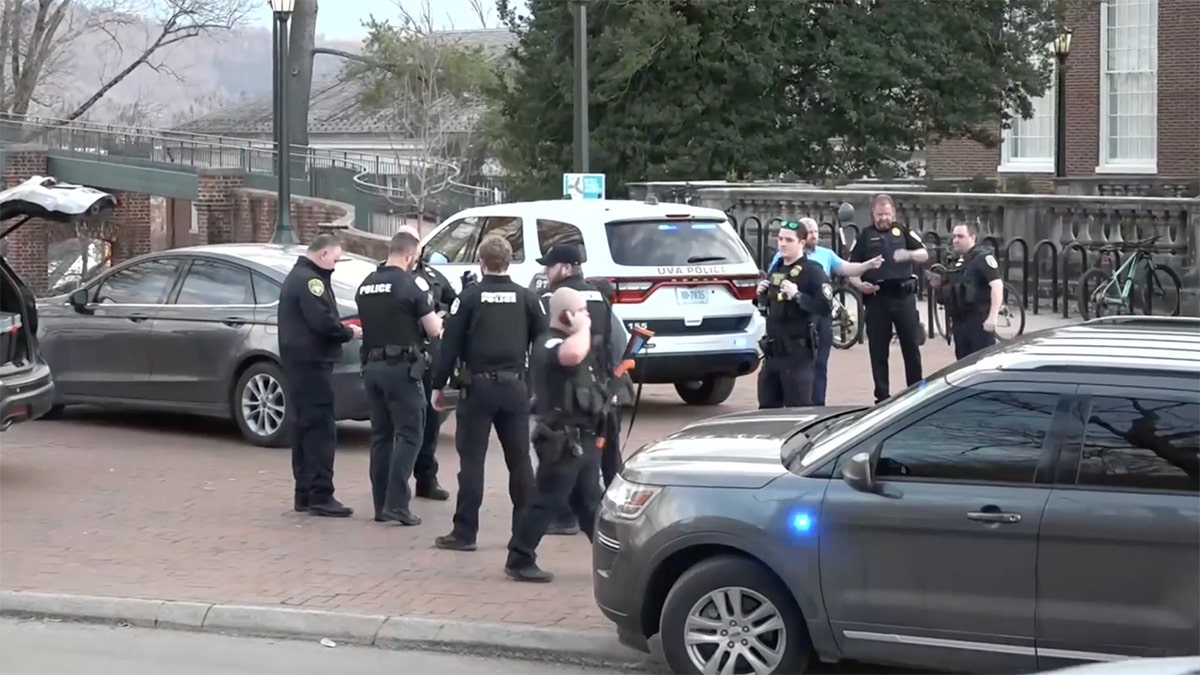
(969, 336)
(426, 468)
(308, 391)
(397, 421)
(610, 464)
(884, 310)
(785, 380)
(571, 482)
(499, 400)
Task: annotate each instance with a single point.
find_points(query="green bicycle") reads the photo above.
(1105, 292)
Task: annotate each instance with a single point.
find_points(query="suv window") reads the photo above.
(653, 243)
(510, 229)
(991, 437)
(457, 241)
(551, 232)
(214, 283)
(266, 292)
(1141, 443)
(145, 283)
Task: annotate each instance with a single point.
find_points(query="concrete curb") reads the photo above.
(590, 648)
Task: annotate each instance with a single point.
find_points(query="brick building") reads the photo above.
(1132, 103)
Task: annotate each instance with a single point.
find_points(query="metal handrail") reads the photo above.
(193, 150)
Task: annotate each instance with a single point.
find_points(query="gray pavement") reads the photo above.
(46, 647)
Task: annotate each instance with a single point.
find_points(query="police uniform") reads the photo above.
(490, 329)
(893, 304)
(571, 404)
(441, 295)
(790, 345)
(311, 336)
(967, 295)
(390, 307)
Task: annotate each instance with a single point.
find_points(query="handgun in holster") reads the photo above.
(462, 376)
(812, 341)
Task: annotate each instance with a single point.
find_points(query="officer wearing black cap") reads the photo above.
(794, 296)
(973, 293)
(393, 310)
(311, 336)
(490, 329)
(563, 269)
(889, 293)
(441, 296)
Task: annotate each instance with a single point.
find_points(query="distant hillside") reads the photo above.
(209, 72)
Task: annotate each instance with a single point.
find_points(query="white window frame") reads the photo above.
(1010, 164)
(1107, 165)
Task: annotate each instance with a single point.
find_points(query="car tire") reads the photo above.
(694, 594)
(256, 400)
(54, 413)
(712, 390)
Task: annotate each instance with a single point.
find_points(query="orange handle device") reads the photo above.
(637, 342)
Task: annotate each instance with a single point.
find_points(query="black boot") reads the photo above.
(529, 572)
(331, 508)
(432, 490)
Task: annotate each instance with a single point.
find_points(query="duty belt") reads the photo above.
(501, 375)
(392, 353)
(891, 288)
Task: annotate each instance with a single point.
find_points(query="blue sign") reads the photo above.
(583, 185)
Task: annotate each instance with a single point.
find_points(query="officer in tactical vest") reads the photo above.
(794, 296)
(393, 309)
(972, 292)
(571, 404)
(563, 269)
(889, 292)
(490, 328)
(441, 296)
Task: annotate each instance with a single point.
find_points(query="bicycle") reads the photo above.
(847, 329)
(1010, 320)
(1111, 291)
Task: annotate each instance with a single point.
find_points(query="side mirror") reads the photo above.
(79, 299)
(859, 474)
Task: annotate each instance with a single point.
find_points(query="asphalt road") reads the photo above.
(50, 648)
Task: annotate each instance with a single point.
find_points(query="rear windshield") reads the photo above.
(653, 243)
(348, 275)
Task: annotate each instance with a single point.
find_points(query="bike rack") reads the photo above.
(1066, 285)
(1008, 255)
(1045, 245)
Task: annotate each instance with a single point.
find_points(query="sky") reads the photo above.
(342, 19)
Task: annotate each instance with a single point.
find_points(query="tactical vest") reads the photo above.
(885, 244)
(962, 295)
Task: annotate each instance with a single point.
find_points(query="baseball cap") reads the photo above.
(562, 254)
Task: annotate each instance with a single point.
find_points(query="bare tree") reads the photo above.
(36, 38)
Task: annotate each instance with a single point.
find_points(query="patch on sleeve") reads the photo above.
(316, 287)
(421, 283)
(454, 306)
(827, 291)
(991, 261)
(553, 342)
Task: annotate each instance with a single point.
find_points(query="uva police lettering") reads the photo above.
(498, 297)
(374, 289)
(695, 270)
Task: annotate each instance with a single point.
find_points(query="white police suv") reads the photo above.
(680, 271)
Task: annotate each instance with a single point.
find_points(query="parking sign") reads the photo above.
(583, 185)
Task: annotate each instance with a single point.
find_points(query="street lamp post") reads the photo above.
(283, 222)
(1062, 49)
(579, 9)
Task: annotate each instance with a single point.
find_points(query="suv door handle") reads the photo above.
(995, 516)
(234, 321)
(138, 318)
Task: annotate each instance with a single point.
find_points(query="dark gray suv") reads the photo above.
(1033, 506)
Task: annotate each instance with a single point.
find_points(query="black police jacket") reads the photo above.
(791, 320)
(310, 328)
(873, 242)
(390, 306)
(966, 289)
(601, 313)
(564, 396)
(490, 329)
(441, 293)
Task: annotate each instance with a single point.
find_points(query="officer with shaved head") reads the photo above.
(571, 404)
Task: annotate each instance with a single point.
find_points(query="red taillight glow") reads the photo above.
(634, 291)
(353, 321)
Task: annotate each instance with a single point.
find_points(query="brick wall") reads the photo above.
(254, 212)
(25, 249)
(1178, 102)
(214, 205)
(133, 213)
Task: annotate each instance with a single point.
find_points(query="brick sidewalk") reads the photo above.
(179, 509)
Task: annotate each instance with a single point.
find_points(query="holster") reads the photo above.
(553, 444)
(776, 348)
(812, 341)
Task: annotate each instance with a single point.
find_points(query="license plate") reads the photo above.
(692, 296)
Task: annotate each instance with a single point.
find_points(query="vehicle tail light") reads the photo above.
(352, 321)
(633, 291)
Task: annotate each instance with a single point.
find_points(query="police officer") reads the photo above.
(490, 329)
(889, 293)
(311, 336)
(393, 309)
(571, 404)
(441, 295)
(795, 294)
(833, 264)
(972, 292)
(563, 269)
